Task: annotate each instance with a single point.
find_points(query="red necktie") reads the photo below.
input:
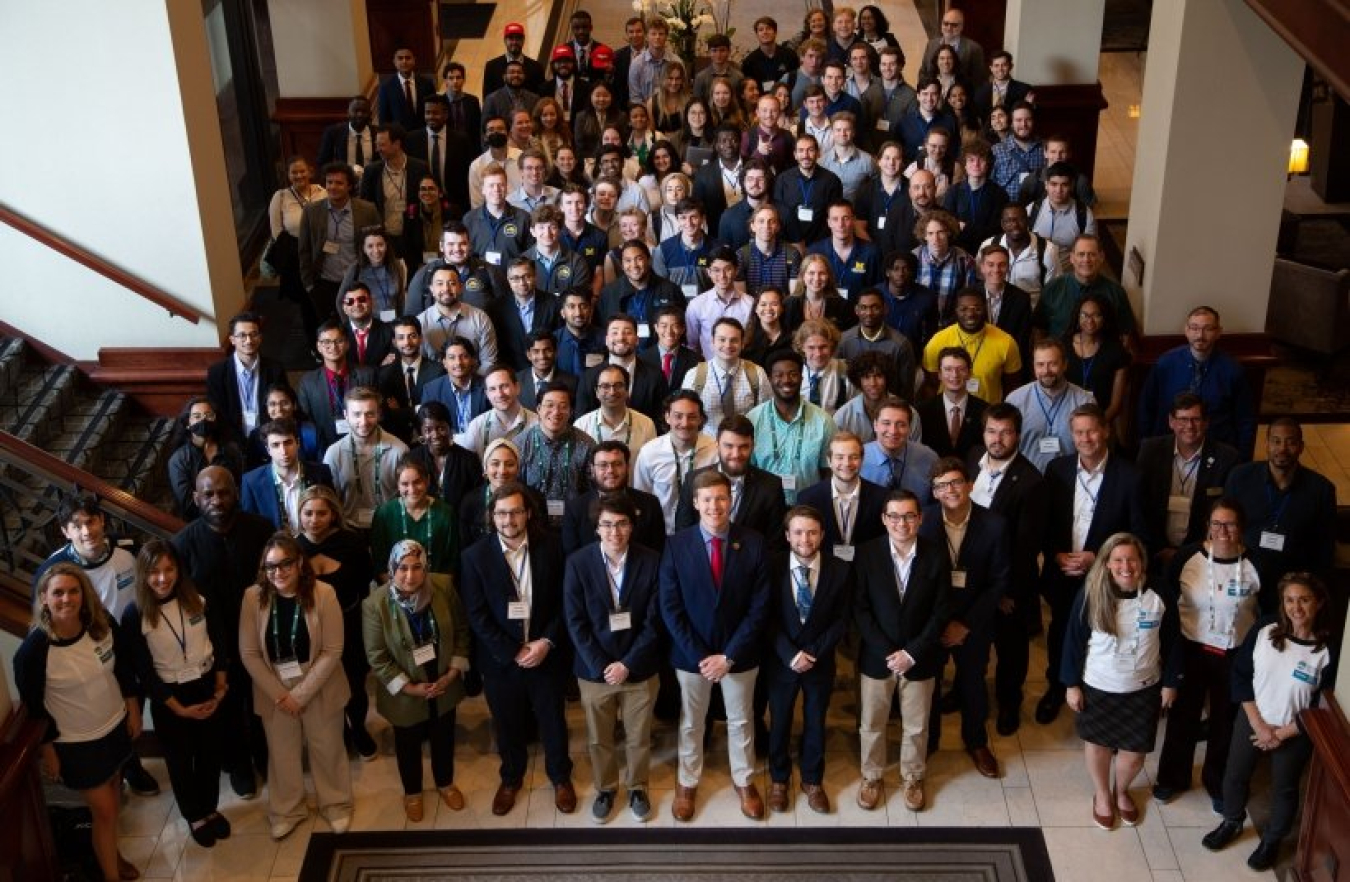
(667, 365)
(408, 96)
(954, 426)
(717, 562)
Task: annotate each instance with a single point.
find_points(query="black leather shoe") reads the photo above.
(950, 703)
(1223, 834)
(1265, 856)
(1048, 707)
(1009, 721)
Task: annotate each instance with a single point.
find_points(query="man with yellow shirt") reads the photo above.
(993, 352)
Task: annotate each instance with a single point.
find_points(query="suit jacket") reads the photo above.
(984, 558)
(316, 404)
(1155, 466)
(1119, 509)
(1019, 496)
(528, 393)
(258, 495)
(323, 689)
(440, 389)
(458, 151)
(970, 55)
(982, 99)
(933, 414)
(824, 627)
(487, 587)
(762, 505)
(582, 513)
(333, 144)
(702, 619)
(708, 190)
(471, 123)
(588, 602)
(372, 183)
(379, 343)
(386, 633)
(399, 412)
(1014, 317)
(867, 523)
(512, 336)
(684, 361)
(314, 234)
(648, 389)
(498, 104)
(494, 74)
(222, 387)
(581, 94)
(393, 107)
(980, 217)
(886, 623)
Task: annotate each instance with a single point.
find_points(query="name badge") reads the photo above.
(104, 650)
(620, 621)
(644, 330)
(883, 125)
(188, 675)
(789, 482)
(844, 553)
(330, 247)
(1048, 445)
(517, 610)
(767, 86)
(493, 257)
(1179, 505)
(881, 222)
(555, 508)
(342, 427)
(958, 578)
(289, 669)
(363, 516)
(1272, 541)
(1213, 491)
(689, 290)
(388, 315)
(424, 653)
(972, 386)
(843, 292)
(594, 358)
(1123, 663)
(805, 214)
(429, 256)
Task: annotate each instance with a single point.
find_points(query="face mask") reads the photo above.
(203, 429)
(496, 140)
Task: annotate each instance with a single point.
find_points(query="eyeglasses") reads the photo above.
(1226, 526)
(610, 387)
(338, 342)
(615, 525)
(278, 566)
(908, 517)
(1189, 420)
(352, 301)
(247, 335)
(952, 24)
(953, 484)
(518, 278)
(508, 512)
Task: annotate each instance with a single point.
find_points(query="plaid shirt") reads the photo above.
(759, 271)
(1010, 161)
(945, 277)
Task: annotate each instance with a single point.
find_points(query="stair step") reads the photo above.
(33, 407)
(11, 363)
(135, 458)
(92, 420)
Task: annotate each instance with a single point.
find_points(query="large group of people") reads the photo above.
(686, 394)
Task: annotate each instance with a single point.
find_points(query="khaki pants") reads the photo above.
(738, 694)
(287, 740)
(604, 705)
(916, 697)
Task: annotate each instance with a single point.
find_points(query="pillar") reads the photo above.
(1220, 98)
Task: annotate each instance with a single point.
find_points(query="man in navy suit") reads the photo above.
(1090, 495)
(669, 355)
(403, 382)
(810, 594)
(461, 390)
(237, 386)
(714, 601)
(851, 506)
(904, 584)
(756, 495)
(511, 584)
(978, 542)
(526, 312)
(610, 597)
(273, 491)
(401, 96)
(610, 466)
(1007, 483)
(351, 142)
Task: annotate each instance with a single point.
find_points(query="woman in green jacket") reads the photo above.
(417, 642)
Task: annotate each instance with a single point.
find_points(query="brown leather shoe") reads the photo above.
(126, 870)
(816, 798)
(778, 796)
(683, 808)
(564, 797)
(412, 807)
(505, 799)
(453, 799)
(1129, 812)
(914, 796)
(985, 763)
(869, 794)
(751, 805)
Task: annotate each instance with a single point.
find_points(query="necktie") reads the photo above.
(736, 487)
(361, 335)
(667, 365)
(360, 151)
(954, 425)
(896, 478)
(1197, 375)
(411, 383)
(436, 170)
(716, 562)
(814, 395)
(728, 394)
(844, 504)
(565, 98)
(804, 592)
(408, 96)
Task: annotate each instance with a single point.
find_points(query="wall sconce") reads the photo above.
(1298, 157)
(1133, 111)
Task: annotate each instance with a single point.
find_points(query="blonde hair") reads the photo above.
(92, 614)
(1099, 588)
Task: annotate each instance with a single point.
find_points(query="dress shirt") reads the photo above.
(660, 471)
(1046, 415)
(908, 469)
(518, 562)
(634, 430)
(854, 168)
(846, 509)
(491, 425)
(903, 562)
(705, 309)
(1184, 470)
(463, 320)
(986, 482)
(795, 450)
(1086, 492)
(749, 386)
(340, 231)
(247, 380)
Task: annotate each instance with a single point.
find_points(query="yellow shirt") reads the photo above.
(993, 351)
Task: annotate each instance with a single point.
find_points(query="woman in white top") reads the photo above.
(667, 192)
(1117, 638)
(1282, 667)
(283, 214)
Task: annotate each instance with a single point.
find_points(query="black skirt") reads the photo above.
(87, 764)
(1121, 720)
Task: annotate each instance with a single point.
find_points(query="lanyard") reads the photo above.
(1049, 413)
(178, 635)
(846, 514)
(806, 185)
(638, 303)
(420, 624)
(1184, 476)
(464, 406)
(376, 489)
(966, 341)
(425, 538)
(799, 425)
(615, 589)
(1086, 489)
(1213, 588)
(295, 629)
(335, 216)
(1278, 514)
(887, 199)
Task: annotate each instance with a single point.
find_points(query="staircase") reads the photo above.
(98, 430)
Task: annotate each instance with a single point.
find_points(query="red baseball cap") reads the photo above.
(602, 58)
(563, 52)
(514, 30)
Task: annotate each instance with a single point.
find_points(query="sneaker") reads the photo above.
(603, 806)
(244, 783)
(639, 805)
(141, 782)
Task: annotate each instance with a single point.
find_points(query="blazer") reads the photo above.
(982, 99)
(979, 217)
(372, 186)
(970, 60)
(316, 404)
(441, 389)
(1019, 497)
(389, 646)
(314, 234)
(582, 513)
(528, 397)
(581, 94)
(333, 144)
(393, 108)
(487, 588)
(762, 505)
(258, 495)
(379, 343)
(1014, 317)
(933, 415)
(886, 623)
(984, 558)
(588, 602)
(867, 524)
(1119, 509)
(458, 149)
(1155, 464)
(497, 104)
(322, 690)
(512, 336)
(222, 387)
(703, 620)
(462, 474)
(684, 361)
(708, 190)
(824, 627)
(394, 390)
(648, 389)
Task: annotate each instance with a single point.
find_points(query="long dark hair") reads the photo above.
(1321, 626)
(304, 590)
(183, 590)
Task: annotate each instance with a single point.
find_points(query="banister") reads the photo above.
(86, 258)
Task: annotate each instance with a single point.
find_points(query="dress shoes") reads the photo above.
(505, 799)
(413, 807)
(564, 797)
(1048, 707)
(683, 807)
(751, 805)
(914, 800)
(1106, 821)
(816, 798)
(1265, 856)
(985, 762)
(1129, 812)
(1009, 721)
(1222, 835)
(869, 794)
(453, 799)
(778, 797)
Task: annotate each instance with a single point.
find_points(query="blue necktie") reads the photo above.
(804, 592)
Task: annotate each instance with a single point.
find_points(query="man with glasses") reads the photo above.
(512, 585)
(615, 419)
(323, 390)
(893, 460)
(554, 453)
(526, 312)
(978, 543)
(610, 597)
(238, 385)
(904, 586)
(608, 467)
(646, 385)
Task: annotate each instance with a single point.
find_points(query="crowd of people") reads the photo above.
(698, 395)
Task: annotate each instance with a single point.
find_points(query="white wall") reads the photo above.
(114, 142)
(323, 47)
(1054, 42)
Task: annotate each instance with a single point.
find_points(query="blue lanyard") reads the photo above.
(1051, 413)
(494, 226)
(887, 199)
(464, 404)
(1278, 514)
(639, 303)
(806, 185)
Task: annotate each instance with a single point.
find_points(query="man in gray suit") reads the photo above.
(328, 236)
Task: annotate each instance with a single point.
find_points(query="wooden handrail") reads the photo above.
(86, 258)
